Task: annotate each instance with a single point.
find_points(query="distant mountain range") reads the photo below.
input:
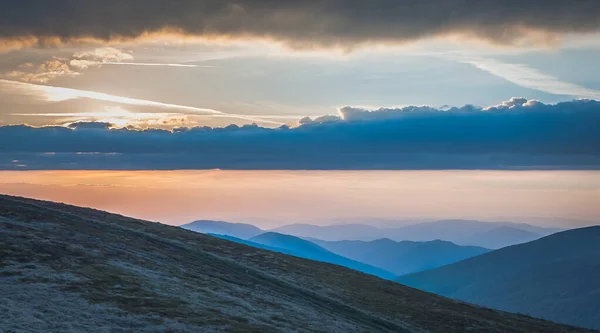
(557, 222)
(72, 269)
(302, 248)
(238, 230)
(336, 232)
(402, 257)
(298, 247)
(556, 277)
(384, 257)
(462, 232)
(253, 244)
(501, 237)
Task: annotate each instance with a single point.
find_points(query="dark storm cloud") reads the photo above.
(300, 23)
(518, 134)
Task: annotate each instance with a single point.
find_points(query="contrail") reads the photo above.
(152, 64)
(527, 77)
(57, 94)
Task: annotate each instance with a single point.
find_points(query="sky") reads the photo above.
(339, 86)
(299, 85)
(240, 62)
(273, 198)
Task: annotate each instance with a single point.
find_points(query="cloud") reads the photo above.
(42, 73)
(60, 67)
(119, 117)
(113, 56)
(307, 23)
(106, 54)
(155, 64)
(517, 134)
(55, 94)
(47, 93)
(82, 125)
(530, 78)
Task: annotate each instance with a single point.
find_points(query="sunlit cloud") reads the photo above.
(46, 93)
(41, 73)
(119, 117)
(154, 64)
(104, 54)
(114, 56)
(57, 94)
(528, 77)
(80, 61)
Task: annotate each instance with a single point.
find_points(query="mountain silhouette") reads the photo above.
(501, 237)
(305, 249)
(461, 232)
(556, 277)
(402, 257)
(331, 232)
(238, 230)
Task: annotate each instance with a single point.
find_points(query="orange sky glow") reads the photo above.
(272, 198)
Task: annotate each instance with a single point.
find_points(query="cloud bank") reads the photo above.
(518, 134)
(305, 23)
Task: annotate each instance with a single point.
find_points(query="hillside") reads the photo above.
(70, 269)
(238, 230)
(304, 249)
(556, 277)
(402, 257)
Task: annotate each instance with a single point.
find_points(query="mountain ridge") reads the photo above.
(500, 237)
(402, 257)
(452, 230)
(556, 277)
(294, 246)
(238, 230)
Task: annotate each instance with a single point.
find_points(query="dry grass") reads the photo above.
(71, 269)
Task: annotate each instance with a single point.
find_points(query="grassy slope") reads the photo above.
(70, 269)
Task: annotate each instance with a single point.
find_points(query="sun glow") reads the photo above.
(59, 94)
(45, 93)
(184, 195)
(120, 117)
